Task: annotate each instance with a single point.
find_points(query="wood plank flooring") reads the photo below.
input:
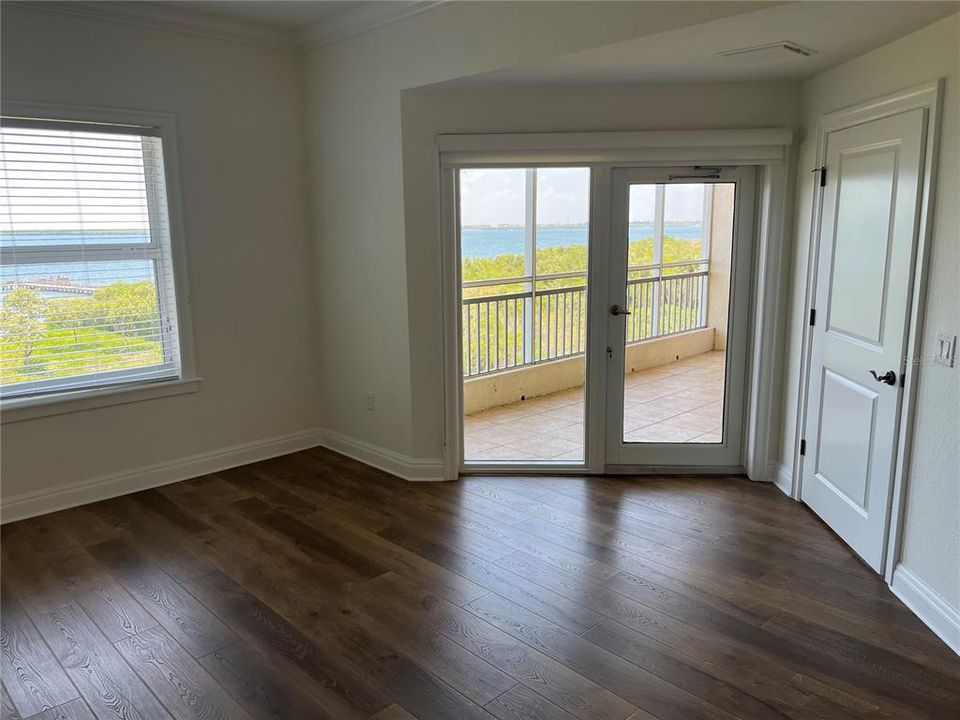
(311, 586)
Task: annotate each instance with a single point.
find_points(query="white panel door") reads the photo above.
(865, 264)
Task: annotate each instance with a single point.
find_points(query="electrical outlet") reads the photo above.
(945, 350)
(371, 401)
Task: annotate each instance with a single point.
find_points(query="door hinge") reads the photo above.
(823, 176)
(813, 317)
(803, 447)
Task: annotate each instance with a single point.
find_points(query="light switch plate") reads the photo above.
(945, 351)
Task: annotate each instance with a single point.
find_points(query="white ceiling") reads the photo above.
(281, 24)
(284, 14)
(838, 31)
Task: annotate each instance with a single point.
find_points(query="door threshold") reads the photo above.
(556, 468)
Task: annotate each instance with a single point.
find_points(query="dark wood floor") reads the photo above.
(311, 586)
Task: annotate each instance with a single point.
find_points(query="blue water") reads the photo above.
(83, 274)
(485, 242)
(478, 242)
(33, 238)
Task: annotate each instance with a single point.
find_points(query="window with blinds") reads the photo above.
(86, 282)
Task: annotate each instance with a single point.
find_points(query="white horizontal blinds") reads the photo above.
(86, 281)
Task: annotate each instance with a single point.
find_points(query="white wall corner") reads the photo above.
(48, 500)
(939, 615)
(403, 466)
(783, 478)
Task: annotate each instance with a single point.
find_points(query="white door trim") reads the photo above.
(768, 149)
(928, 97)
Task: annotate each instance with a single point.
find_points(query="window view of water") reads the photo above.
(490, 241)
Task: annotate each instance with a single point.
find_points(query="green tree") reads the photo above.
(127, 308)
(22, 323)
(71, 314)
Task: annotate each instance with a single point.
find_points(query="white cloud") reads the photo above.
(496, 197)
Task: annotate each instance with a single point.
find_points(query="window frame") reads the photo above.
(74, 396)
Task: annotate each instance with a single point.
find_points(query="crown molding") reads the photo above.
(365, 17)
(156, 15)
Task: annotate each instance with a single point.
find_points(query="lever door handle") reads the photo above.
(889, 377)
(617, 310)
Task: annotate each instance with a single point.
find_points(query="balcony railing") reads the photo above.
(513, 328)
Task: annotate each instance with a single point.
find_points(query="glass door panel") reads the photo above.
(672, 367)
(524, 235)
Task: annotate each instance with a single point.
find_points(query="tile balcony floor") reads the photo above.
(681, 401)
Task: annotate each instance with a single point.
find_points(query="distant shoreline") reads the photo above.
(571, 226)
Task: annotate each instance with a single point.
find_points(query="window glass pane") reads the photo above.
(74, 319)
(563, 214)
(682, 225)
(492, 216)
(86, 280)
(642, 245)
(676, 334)
(65, 187)
(522, 341)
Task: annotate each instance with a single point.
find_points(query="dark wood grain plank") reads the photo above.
(312, 586)
(671, 666)
(451, 586)
(114, 610)
(180, 683)
(522, 703)
(460, 669)
(559, 609)
(156, 537)
(190, 623)
(263, 688)
(32, 676)
(399, 676)
(631, 682)
(311, 538)
(341, 693)
(73, 710)
(394, 712)
(710, 651)
(106, 682)
(564, 687)
(7, 709)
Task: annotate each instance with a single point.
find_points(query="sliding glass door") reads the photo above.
(659, 258)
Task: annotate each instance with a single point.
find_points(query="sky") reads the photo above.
(496, 197)
(71, 180)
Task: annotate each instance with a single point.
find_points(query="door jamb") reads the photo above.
(928, 97)
(769, 149)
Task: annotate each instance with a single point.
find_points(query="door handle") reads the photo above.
(889, 377)
(617, 310)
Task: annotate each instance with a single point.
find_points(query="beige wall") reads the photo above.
(721, 245)
(430, 111)
(378, 261)
(240, 127)
(932, 534)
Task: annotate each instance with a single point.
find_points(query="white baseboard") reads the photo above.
(48, 500)
(783, 479)
(395, 463)
(928, 605)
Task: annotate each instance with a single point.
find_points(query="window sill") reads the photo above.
(18, 410)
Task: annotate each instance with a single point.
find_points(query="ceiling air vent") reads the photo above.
(777, 52)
